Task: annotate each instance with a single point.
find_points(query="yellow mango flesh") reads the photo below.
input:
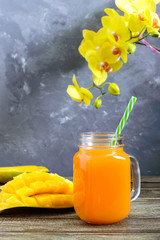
(8, 200)
(37, 189)
(28, 184)
(7, 173)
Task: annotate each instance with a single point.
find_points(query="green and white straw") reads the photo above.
(124, 119)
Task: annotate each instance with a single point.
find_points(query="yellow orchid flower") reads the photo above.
(88, 42)
(92, 41)
(143, 13)
(116, 49)
(113, 67)
(120, 26)
(79, 94)
(117, 25)
(153, 23)
(135, 25)
(98, 80)
(136, 6)
(102, 62)
(105, 42)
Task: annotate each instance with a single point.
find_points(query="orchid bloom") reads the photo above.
(116, 24)
(79, 94)
(143, 11)
(92, 41)
(104, 61)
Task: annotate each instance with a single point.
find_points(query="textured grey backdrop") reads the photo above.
(39, 123)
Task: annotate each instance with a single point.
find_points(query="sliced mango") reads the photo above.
(28, 184)
(37, 189)
(54, 200)
(7, 173)
(40, 200)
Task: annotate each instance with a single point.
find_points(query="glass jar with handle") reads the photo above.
(102, 178)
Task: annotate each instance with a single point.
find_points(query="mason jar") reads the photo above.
(102, 178)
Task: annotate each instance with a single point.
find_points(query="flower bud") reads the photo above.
(113, 89)
(154, 34)
(97, 103)
(131, 48)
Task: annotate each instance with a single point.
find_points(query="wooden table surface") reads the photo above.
(142, 223)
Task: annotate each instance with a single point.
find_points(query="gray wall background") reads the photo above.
(39, 123)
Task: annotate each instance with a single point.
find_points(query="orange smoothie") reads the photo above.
(102, 188)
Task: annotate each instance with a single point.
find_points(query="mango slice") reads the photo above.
(8, 200)
(7, 173)
(28, 184)
(37, 189)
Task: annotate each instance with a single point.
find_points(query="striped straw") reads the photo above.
(124, 119)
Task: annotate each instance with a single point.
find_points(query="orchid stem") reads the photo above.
(100, 88)
(105, 84)
(91, 86)
(101, 95)
(143, 37)
(137, 36)
(158, 49)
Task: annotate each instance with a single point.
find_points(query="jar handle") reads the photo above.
(136, 178)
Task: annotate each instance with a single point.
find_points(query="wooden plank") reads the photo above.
(146, 208)
(76, 226)
(150, 185)
(37, 236)
(153, 193)
(150, 179)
